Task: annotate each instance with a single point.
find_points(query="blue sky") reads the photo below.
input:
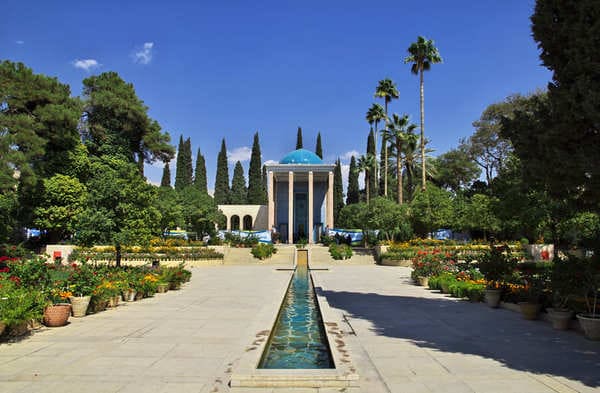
(210, 70)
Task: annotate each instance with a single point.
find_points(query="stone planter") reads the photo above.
(139, 295)
(475, 297)
(423, 281)
(590, 326)
(79, 305)
(113, 301)
(99, 305)
(162, 288)
(492, 297)
(57, 314)
(529, 311)
(129, 295)
(560, 318)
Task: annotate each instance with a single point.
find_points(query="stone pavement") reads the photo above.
(421, 341)
(407, 340)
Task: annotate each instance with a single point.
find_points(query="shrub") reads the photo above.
(19, 304)
(263, 251)
(497, 264)
(340, 251)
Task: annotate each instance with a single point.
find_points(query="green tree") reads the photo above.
(398, 131)
(388, 217)
(119, 210)
(171, 212)
(256, 190)
(299, 144)
(200, 173)
(179, 165)
(431, 209)
(371, 151)
(353, 216)
(238, 193)
(165, 181)
(456, 170)
(422, 54)
(200, 212)
(480, 215)
(117, 122)
(353, 188)
(365, 164)
(63, 200)
(319, 148)
(338, 190)
(222, 178)
(189, 166)
(387, 90)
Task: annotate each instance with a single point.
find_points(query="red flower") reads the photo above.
(5, 270)
(15, 279)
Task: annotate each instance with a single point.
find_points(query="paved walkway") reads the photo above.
(407, 340)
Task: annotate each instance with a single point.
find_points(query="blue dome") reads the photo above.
(301, 156)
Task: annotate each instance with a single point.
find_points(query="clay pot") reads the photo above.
(560, 318)
(57, 314)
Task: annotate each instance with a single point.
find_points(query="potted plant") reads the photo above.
(82, 282)
(58, 310)
(495, 265)
(564, 283)
(589, 288)
(529, 296)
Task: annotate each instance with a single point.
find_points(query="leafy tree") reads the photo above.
(319, 148)
(353, 189)
(222, 178)
(480, 215)
(257, 194)
(371, 151)
(238, 193)
(200, 173)
(388, 217)
(117, 122)
(63, 200)
(338, 190)
(431, 209)
(353, 216)
(8, 211)
(170, 208)
(200, 212)
(422, 54)
(165, 181)
(119, 210)
(387, 90)
(398, 131)
(365, 164)
(456, 170)
(299, 139)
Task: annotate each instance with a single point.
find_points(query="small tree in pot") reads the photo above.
(494, 266)
(564, 282)
(589, 289)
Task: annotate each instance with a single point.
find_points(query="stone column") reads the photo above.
(310, 207)
(270, 202)
(228, 223)
(290, 207)
(330, 202)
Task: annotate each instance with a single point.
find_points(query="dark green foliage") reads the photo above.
(340, 251)
(264, 178)
(353, 216)
(319, 148)
(431, 210)
(389, 217)
(183, 171)
(165, 181)
(222, 178)
(238, 192)
(200, 174)
(256, 190)
(456, 170)
(188, 165)
(171, 211)
(353, 189)
(338, 190)
(371, 151)
(117, 122)
(299, 144)
(263, 251)
(200, 212)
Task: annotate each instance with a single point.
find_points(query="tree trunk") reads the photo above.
(140, 163)
(399, 173)
(367, 180)
(375, 153)
(385, 164)
(118, 255)
(423, 179)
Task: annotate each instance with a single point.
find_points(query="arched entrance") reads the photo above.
(235, 223)
(247, 222)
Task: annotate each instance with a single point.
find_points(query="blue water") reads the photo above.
(298, 339)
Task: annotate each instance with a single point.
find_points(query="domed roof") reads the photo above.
(301, 156)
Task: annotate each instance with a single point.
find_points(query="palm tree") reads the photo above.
(422, 54)
(365, 164)
(387, 90)
(412, 163)
(374, 115)
(398, 131)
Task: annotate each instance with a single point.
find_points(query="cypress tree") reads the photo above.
(166, 176)
(264, 178)
(299, 139)
(200, 173)
(179, 173)
(238, 186)
(319, 148)
(222, 178)
(371, 150)
(338, 190)
(256, 190)
(188, 165)
(353, 189)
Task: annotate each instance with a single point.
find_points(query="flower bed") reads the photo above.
(29, 285)
(160, 253)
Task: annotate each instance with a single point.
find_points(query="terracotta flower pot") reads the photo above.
(492, 297)
(560, 318)
(590, 326)
(529, 310)
(57, 314)
(79, 305)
